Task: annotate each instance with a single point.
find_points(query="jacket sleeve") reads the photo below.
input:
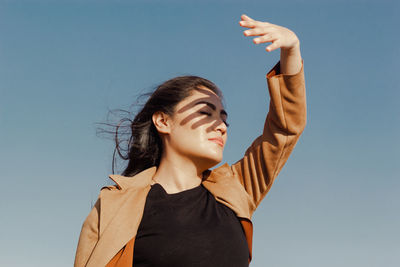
(286, 120)
(88, 237)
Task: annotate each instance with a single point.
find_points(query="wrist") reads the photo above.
(292, 49)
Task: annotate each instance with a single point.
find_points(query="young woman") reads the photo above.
(167, 208)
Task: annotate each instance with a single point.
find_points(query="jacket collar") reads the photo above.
(141, 179)
(144, 177)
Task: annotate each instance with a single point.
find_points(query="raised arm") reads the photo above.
(286, 117)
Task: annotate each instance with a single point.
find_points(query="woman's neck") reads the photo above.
(178, 174)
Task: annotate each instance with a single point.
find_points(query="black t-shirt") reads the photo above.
(189, 228)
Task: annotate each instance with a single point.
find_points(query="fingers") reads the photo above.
(252, 23)
(265, 30)
(256, 31)
(245, 17)
(247, 24)
(265, 38)
(273, 46)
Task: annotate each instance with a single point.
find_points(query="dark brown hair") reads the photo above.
(143, 147)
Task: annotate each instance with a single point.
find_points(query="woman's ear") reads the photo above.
(162, 122)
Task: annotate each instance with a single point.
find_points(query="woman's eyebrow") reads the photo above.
(211, 105)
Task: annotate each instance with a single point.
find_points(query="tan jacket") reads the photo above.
(108, 233)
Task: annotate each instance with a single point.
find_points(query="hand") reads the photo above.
(280, 37)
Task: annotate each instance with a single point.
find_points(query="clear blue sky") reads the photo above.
(64, 64)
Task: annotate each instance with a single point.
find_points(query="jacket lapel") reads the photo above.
(119, 210)
(229, 191)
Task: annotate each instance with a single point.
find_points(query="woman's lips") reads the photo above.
(219, 141)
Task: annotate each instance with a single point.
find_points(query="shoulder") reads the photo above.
(218, 173)
(223, 169)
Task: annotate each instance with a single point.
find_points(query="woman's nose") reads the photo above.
(221, 126)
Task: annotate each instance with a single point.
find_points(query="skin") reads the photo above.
(188, 152)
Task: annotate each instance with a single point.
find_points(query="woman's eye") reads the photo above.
(209, 114)
(206, 113)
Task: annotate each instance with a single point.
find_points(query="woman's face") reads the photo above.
(198, 128)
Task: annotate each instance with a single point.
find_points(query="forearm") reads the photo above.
(290, 60)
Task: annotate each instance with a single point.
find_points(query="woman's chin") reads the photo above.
(210, 162)
(207, 160)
